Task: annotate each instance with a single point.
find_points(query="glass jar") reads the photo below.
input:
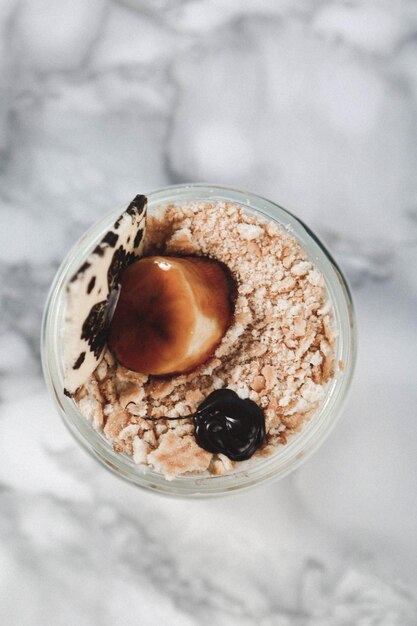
(299, 446)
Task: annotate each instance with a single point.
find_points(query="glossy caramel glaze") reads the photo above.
(171, 314)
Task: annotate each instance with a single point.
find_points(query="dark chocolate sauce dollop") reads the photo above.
(226, 424)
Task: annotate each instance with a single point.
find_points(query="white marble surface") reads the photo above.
(310, 103)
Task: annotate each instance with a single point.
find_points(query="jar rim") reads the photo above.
(300, 445)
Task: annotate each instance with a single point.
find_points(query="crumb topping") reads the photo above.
(278, 351)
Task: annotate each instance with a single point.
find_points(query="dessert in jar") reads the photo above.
(198, 339)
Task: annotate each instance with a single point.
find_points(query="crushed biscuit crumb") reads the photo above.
(278, 351)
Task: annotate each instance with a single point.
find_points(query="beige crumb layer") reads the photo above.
(279, 350)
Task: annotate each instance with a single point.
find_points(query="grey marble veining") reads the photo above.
(312, 104)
